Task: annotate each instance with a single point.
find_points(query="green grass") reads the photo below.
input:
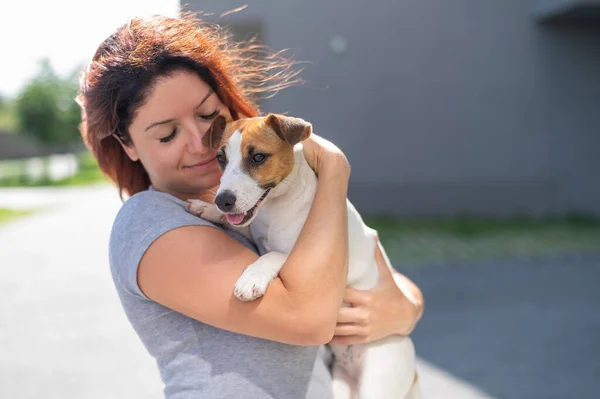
(469, 239)
(88, 173)
(10, 214)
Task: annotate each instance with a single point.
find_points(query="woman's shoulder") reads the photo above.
(142, 219)
(154, 208)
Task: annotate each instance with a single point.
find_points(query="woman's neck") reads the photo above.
(206, 195)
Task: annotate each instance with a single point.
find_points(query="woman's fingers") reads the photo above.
(353, 315)
(345, 329)
(358, 297)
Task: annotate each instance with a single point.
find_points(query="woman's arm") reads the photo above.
(193, 269)
(393, 306)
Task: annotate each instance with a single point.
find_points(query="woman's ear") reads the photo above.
(129, 149)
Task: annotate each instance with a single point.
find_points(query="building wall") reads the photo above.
(468, 108)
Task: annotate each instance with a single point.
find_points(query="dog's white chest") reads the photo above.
(277, 227)
(273, 237)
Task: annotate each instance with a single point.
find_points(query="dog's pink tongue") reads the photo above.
(235, 218)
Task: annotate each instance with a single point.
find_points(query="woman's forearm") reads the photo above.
(315, 272)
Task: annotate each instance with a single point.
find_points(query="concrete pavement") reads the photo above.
(63, 333)
(47, 197)
(525, 329)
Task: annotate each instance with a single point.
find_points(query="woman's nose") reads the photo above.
(195, 141)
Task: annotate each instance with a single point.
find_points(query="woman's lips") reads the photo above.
(205, 164)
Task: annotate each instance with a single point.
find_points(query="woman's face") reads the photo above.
(166, 135)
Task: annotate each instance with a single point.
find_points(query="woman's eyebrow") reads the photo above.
(210, 91)
(158, 123)
(150, 126)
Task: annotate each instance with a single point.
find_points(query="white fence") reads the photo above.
(53, 168)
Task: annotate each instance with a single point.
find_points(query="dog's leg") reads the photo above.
(415, 390)
(343, 385)
(256, 278)
(205, 210)
(388, 369)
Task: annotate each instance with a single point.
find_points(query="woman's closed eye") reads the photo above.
(169, 137)
(211, 115)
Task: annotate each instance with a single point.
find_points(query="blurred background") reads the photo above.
(472, 130)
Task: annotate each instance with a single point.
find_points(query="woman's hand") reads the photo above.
(393, 306)
(325, 158)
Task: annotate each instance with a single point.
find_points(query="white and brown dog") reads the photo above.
(264, 171)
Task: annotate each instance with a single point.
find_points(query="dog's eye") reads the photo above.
(221, 158)
(258, 158)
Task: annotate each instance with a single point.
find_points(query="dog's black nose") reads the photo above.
(225, 201)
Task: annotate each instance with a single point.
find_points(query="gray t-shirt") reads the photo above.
(197, 360)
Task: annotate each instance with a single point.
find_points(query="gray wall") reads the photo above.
(561, 9)
(445, 108)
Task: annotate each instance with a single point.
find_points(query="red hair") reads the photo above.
(128, 63)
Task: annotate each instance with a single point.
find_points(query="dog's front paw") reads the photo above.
(204, 210)
(252, 284)
(196, 206)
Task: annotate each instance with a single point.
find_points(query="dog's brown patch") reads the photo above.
(257, 137)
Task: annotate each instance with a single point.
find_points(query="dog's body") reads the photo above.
(383, 369)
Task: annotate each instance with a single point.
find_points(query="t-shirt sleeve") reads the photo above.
(142, 219)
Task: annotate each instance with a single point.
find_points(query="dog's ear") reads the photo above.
(291, 130)
(214, 136)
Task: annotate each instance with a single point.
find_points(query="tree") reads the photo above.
(46, 107)
(7, 115)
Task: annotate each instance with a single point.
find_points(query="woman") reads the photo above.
(148, 97)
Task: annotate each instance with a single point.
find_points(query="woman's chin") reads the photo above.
(206, 182)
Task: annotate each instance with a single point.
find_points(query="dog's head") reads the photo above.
(255, 155)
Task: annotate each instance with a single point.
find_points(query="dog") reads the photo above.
(264, 170)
